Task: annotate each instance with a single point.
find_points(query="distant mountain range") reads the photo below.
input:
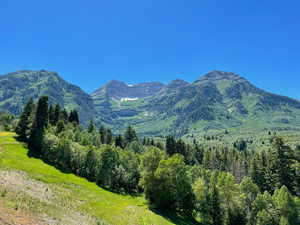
(216, 101)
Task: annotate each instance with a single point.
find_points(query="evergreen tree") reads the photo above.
(215, 209)
(39, 125)
(51, 115)
(170, 145)
(257, 174)
(73, 117)
(102, 133)
(23, 127)
(76, 116)
(56, 116)
(130, 135)
(91, 126)
(109, 137)
(91, 165)
(119, 141)
(280, 166)
(286, 205)
(64, 115)
(109, 159)
(60, 127)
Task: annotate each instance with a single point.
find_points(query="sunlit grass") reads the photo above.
(77, 192)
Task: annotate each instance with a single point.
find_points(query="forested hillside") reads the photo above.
(215, 102)
(220, 186)
(18, 87)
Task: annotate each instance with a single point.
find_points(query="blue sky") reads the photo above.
(91, 42)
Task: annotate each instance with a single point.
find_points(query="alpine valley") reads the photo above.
(216, 102)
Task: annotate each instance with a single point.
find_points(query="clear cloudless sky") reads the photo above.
(89, 42)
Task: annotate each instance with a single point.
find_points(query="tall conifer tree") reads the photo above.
(39, 125)
(23, 127)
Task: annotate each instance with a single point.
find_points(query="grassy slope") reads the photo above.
(72, 192)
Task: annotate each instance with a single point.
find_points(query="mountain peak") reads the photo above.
(217, 75)
(31, 73)
(118, 89)
(177, 83)
(115, 84)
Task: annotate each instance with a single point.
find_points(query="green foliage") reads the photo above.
(18, 87)
(91, 165)
(280, 170)
(60, 126)
(213, 185)
(7, 122)
(109, 160)
(106, 136)
(214, 206)
(91, 127)
(130, 135)
(119, 141)
(56, 114)
(240, 145)
(39, 125)
(277, 209)
(72, 198)
(167, 186)
(24, 124)
(249, 192)
(74, 117)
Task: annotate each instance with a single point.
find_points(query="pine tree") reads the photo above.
(60, 127)
(91, 126)
(280, 169)
(119, 141)
(73, 117)
(76, 116)
(102, 133)
(23, 127)
(109, 137)
(64, 115)
(56, 116)
(170, 145)
(39, 125)
(130, 135)
(91, 165)
(215, 206)
(51, 115)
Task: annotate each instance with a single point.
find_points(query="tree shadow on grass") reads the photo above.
(175, 218)
(121, 191)
(33, 154)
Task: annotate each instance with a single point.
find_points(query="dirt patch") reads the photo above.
(20, 182)
(20, 185)
(12, 217)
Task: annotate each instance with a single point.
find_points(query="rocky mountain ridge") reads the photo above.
(218, 100)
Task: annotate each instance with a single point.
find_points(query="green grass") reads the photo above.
(80, 194)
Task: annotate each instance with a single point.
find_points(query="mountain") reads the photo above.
(216, 101)
(113, 100)
(118, 90)
(18, 87)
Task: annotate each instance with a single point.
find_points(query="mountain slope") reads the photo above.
(117, 99)
(40, 194)
(18, 87)
(218, 100)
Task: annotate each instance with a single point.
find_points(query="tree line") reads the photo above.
(218, 187)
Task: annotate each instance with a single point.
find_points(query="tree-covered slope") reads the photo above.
(18, 87)
(32, 192)
(216, 101)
